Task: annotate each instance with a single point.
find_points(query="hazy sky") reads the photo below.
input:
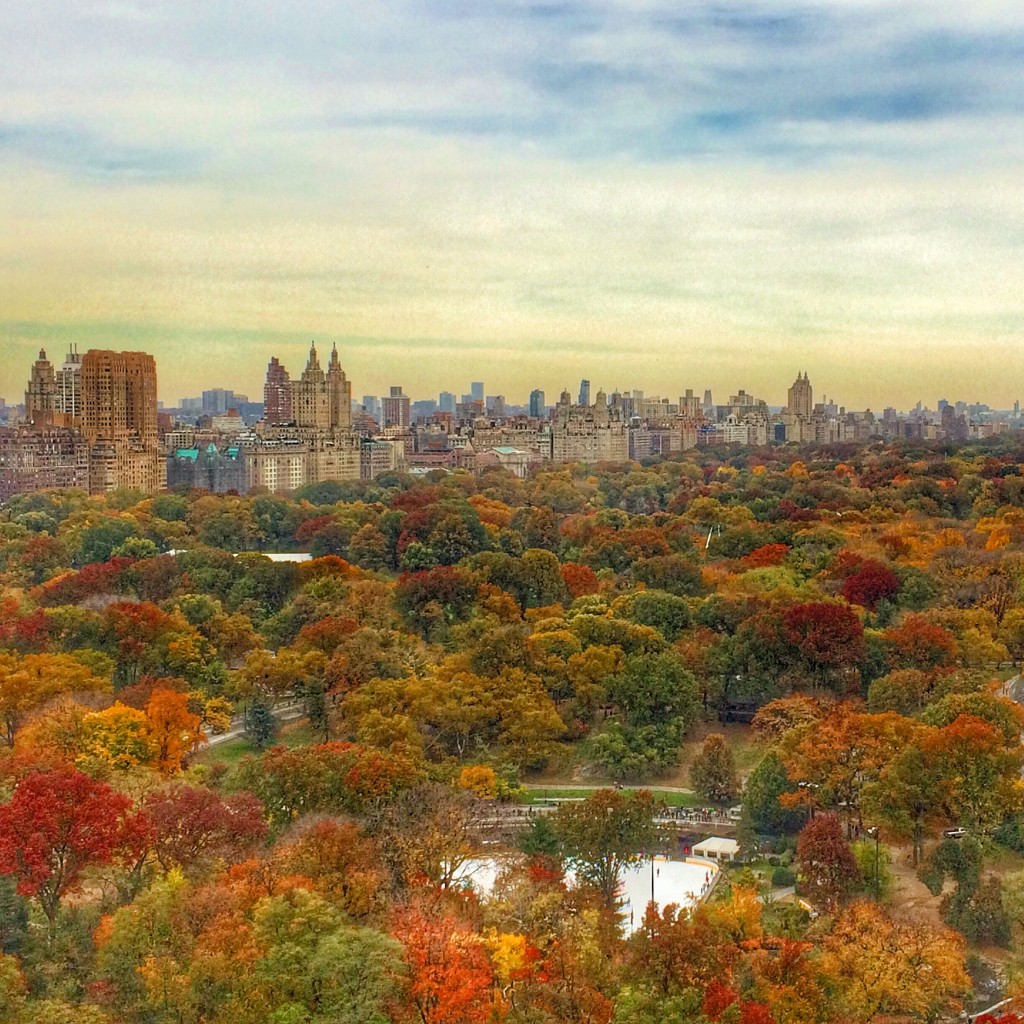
(649, 193)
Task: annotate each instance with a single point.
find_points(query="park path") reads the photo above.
(287, 712)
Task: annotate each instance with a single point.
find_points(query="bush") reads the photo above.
(783, 877)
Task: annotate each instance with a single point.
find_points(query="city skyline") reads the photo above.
(633, 192)
(668, 392)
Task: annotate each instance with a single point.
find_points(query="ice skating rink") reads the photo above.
(675, 881)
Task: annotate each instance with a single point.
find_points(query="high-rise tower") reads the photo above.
(800, 398)
(41, 393)
(322, 401)
(277, 394)
(118, 395)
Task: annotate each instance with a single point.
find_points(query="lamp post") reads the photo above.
(873, 832)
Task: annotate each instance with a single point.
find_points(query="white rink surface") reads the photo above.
(675, 881)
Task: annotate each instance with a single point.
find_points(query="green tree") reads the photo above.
(713, 772)
(601, 836)
(260, 725)
(761, 806)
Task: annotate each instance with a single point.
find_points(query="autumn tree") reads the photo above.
(880, 967)
(713, 772)
(56, 825)
(827, 865)
(451, 975)
(176, 731)
(191, 824)
(427, 834)
(29, 682)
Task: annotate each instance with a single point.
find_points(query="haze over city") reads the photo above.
(647, 194)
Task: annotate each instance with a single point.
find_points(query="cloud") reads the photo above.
(627, 182)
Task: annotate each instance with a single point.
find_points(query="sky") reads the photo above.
(654, 194)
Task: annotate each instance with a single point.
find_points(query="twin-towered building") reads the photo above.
(91, 424)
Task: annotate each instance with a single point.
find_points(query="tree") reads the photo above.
(175, 730)
(880, 967)
(827, 864)
(604, 834)
(259, 722)
(29, 682)
(117, 738)
(191, 823)
(713, 772)
(451, 977)
(907, 796)
(427, 834)
(916, 643)
(870, 583)
(761, 807)
(830, 642)
(57, 824)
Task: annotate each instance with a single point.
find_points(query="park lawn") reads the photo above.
(535, 793)
(294, 734)
(746, 750)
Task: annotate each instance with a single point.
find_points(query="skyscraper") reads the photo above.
(537, 404)
(322, 401)
(277, 394)
(118, 398)
(396, 408)
(476, 389)
(446, 402)
(800, 398)
(118, 395)
(584, 392)
(69, 385)
(41, 393)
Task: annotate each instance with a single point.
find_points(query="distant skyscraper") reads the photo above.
(118, 395)
(708, 402)
(584, 392)
(69, 384)
(118, 398)
(476, 389)
(322, 401)
(217, 401)
(800, 399)
(41, 393)
(537, 404)
(396, 409)
(277, 394)
(446, 402)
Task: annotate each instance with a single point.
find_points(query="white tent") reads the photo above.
(717, 848)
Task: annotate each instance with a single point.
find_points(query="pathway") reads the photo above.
(287, 712)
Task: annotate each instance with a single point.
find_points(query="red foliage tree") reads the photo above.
(916, 643)
(828, 636)
(190, 823)
(870, 582)
(57, 824)
(328, 633)
(765, 556)
(96, 578)
(826, 861)
(579, 579)
(451, 975)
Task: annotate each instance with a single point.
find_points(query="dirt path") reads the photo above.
(911, 899)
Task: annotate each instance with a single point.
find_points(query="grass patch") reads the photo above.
(533, 794)
(229, 753)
